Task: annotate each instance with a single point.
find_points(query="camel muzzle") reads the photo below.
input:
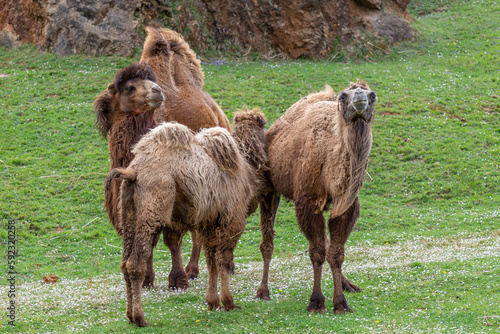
(360, 101)
(155, 97)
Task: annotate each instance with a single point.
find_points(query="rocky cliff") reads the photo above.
(293, 28)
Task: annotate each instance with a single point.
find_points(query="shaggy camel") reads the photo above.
(318, 154)
(125, 112)
(181, 79)
(181, 181)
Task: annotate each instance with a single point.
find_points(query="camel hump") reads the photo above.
(221, 147)
(326, 94)
(300, 108)
(170, 136)
(170, 46)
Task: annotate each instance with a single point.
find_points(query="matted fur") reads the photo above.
(181, 78)
(178, 181)
(318, 158)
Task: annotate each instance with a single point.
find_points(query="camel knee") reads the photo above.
(266, 249)
(317, 255)
(225, 259)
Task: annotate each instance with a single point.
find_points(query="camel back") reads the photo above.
(172, 59)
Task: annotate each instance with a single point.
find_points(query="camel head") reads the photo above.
(356, 102)
(133, 91)
(248, 131)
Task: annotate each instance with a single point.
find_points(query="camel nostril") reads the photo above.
(156, 89)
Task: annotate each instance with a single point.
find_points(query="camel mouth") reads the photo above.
(360, 105)
(154, 103)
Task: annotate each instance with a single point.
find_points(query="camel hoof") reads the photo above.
(315, 309)
(231, 307)
(213, 307)
(139, 321)
(317, 303)
(263, 293)
(341, 306)
(143, 323)
(178, 280)
(342, 311)
(348, 286)
(147, 284)
(192, 272)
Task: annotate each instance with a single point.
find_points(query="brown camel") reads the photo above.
(181, 181)
(318, 154)
(125, 111)
(181, 79)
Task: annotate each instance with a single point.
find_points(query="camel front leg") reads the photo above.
(213, 275)
(177, 279)
(312, 224)
(340, 228)
(192, 269)
(224, 259)
(268, 208)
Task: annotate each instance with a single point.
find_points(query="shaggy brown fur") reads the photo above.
(181, 78)
(123, 116)
(125, 111)
(318, 154)
(183, 181)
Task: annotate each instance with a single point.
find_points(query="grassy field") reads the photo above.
(425, 250)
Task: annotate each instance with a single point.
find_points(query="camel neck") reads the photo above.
(358, 142)
(125, 133)
(251, 145)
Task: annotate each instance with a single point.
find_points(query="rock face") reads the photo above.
(290, 28)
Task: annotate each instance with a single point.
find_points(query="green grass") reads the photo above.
(425, 249)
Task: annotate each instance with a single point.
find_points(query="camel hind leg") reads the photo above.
(177, 278)
(192, 269)
(268, 208)
(134, 268)
(150, 274)
(340, 229)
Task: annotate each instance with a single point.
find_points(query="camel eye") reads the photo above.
(343, 97)
(130, 89)
(373, 97)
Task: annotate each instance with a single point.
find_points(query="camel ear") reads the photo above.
(102, 107)
(111, 88)
(261, 120)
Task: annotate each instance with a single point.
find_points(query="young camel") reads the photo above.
(206, 182)
(318, 154)
(181, 79)
(125, 112)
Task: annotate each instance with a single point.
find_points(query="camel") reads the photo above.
(125, 112)
(318, 154)
(205, 182)
(180, 76)
(181, 79)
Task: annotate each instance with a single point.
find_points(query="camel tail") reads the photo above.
(113, 206)
(121, 174)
